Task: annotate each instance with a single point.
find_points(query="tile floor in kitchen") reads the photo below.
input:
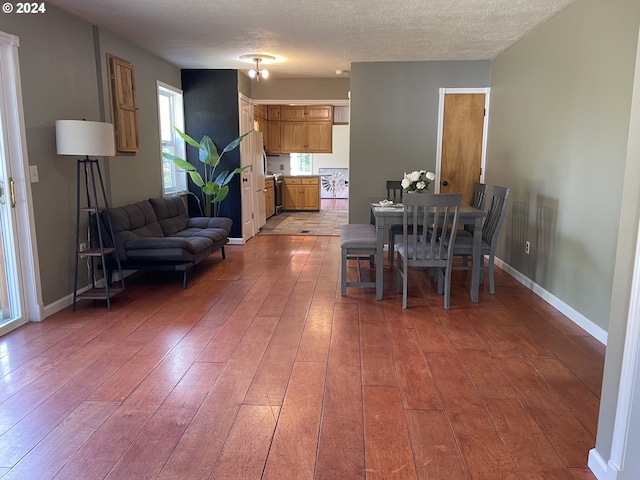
(332, 215)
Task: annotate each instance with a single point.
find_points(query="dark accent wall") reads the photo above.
(211, 108)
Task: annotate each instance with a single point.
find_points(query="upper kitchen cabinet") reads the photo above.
(301, 113)
(306, 128)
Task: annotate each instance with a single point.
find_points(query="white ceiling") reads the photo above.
(314, 38)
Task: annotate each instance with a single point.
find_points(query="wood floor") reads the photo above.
(260, 369)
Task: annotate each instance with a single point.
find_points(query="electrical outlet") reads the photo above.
(527, 247)
(83, 247)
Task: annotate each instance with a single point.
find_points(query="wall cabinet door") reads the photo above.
(273, 112)
(273, 137)
(293, 137)
(319, 113)
(319, 137)
(292, 113)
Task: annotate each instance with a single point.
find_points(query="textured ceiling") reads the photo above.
(314, 38)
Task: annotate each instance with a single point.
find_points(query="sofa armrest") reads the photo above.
(215, 222)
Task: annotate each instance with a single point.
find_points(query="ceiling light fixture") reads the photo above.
(257, 59)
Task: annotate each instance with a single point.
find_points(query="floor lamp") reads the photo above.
(85, 138)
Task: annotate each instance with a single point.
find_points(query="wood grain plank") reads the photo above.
(480, 443)
(199, 447)
(377, 357)
(387, 448)
(46, 459)
(245, 451)
(434, 446)
(293, 452)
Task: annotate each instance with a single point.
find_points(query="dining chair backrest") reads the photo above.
(478, 200)
(479, 196)
(437, 213)
(394, 191)
(495, 215)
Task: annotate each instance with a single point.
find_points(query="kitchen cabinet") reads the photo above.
(306, 137)
(273, 137)
(302, 193)
(269, 197)
(260, 111)
(306, 113)
(273, 112)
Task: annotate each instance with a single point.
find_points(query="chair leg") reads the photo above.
(492, 281)
(343, 276)
(223, 254)
(391, 248)
(447, 288)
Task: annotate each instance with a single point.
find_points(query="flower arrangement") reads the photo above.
(417, 181)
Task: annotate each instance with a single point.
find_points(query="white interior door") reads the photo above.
(246, 177)
(12, 192)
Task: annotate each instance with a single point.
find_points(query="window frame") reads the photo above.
(176, 145)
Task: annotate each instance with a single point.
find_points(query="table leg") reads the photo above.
(379, 260)
(476, 259)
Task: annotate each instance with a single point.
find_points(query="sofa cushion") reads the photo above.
(168, 248)
(134, 221)
(171, 213)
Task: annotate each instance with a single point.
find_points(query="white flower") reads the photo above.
(414, 176)
(431, 176)
(405, 183)
(421, 185)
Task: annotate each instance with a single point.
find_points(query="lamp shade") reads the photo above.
(81, 137)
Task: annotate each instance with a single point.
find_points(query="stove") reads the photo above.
(279, 191)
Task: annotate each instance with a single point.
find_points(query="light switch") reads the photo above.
(33, 173)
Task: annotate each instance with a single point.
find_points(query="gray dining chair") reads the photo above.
(478, 200)
(463, 244)
(394, 193)
(435, 212)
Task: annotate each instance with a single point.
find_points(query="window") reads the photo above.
(301, 163)
(170, 113)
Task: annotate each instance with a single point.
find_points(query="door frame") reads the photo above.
(443, 92)
(27, 251)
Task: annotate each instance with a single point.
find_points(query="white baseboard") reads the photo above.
(583, 322)
(600, 468)
(236, 241)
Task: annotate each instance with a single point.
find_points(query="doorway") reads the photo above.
(462, 133)
(20, 296)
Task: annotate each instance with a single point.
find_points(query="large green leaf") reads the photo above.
(183, 164)
(221, 177)
(235, 142)
(209, 152)
(196, 178)
(222, 194)
(209, 188)
(187, 138)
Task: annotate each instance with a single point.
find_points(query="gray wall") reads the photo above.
(394, 121)
(60, 80)
(558, 126)
(558, 136)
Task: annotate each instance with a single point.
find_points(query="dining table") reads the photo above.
(386, 214)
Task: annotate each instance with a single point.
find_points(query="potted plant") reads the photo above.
(213, 186)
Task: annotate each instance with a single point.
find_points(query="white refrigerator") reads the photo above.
(258, 168)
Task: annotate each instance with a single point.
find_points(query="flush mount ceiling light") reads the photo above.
(258, 58)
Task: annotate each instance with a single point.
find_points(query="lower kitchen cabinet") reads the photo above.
(269, 198)
(302, 193)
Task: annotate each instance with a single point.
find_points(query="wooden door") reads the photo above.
(319, 137)
(292, 137)
(462, 148)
